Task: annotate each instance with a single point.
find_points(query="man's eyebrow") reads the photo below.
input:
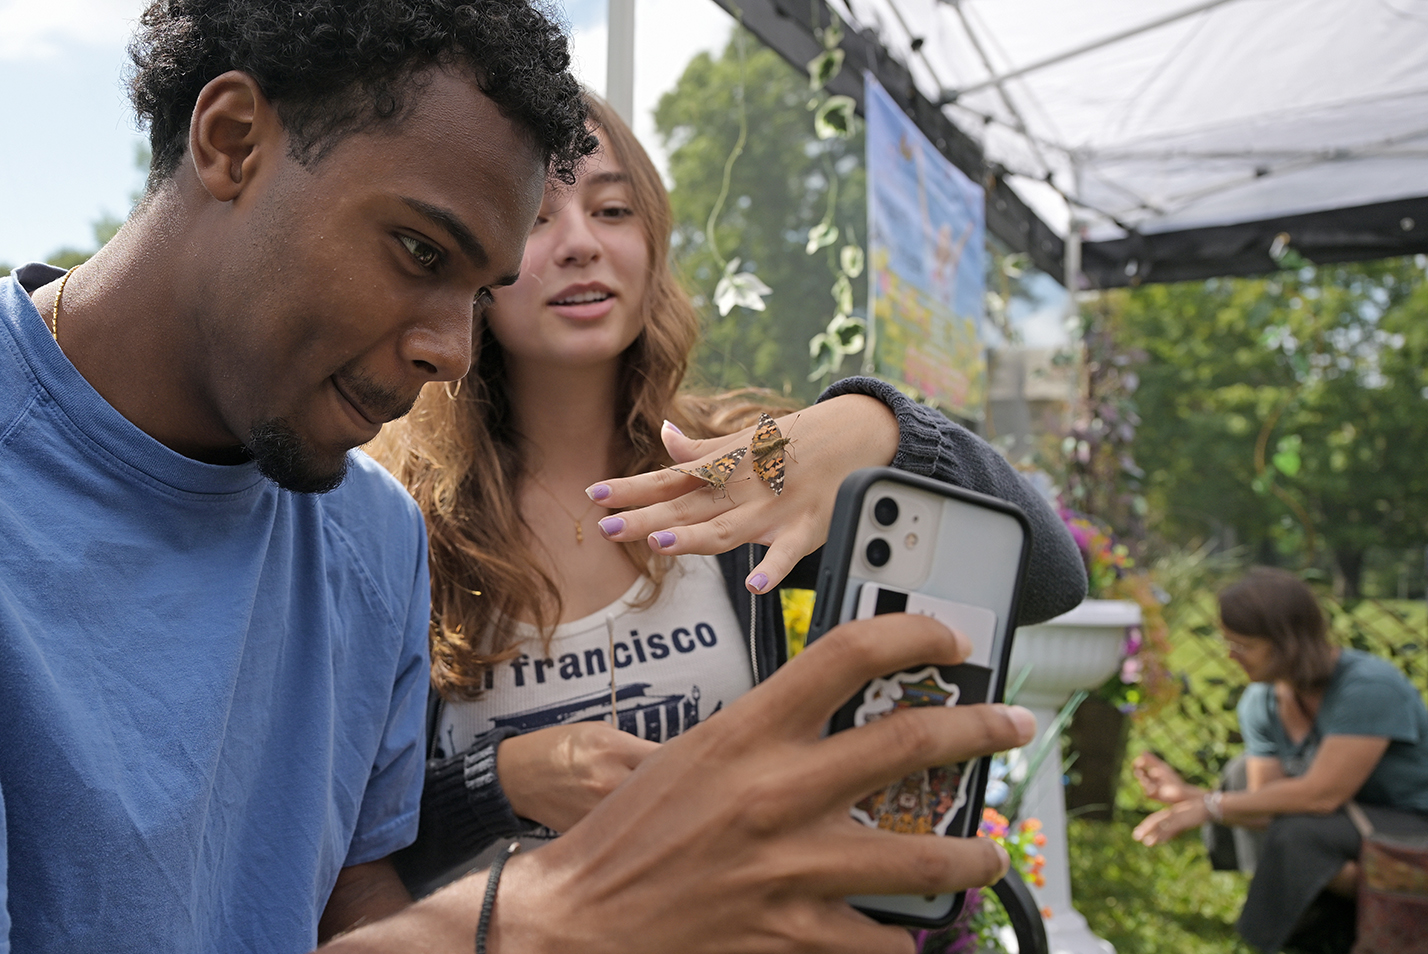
(453, 226)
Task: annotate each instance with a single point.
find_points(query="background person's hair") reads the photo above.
(460, 455)
(1278, 606)
(336, 67)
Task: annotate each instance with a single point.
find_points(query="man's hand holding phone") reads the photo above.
(736, 836)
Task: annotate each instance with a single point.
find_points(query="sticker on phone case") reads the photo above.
(924, 802)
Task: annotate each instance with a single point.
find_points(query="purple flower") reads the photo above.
(1134, 640)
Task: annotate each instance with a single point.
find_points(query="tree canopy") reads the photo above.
(1285, 412)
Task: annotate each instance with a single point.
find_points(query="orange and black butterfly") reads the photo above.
(769, 447)
(717, 472)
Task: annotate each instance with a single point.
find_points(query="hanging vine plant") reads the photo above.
(834, 117)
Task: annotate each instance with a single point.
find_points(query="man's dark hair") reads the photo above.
(336, 67)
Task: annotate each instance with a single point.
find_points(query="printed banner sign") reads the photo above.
(926, 244)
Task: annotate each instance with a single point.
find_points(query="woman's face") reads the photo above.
(1255, 654)
(579, 299)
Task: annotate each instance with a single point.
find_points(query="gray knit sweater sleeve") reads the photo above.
(931, 445)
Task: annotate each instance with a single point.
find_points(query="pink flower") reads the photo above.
(1134, 640)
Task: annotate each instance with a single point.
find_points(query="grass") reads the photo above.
(1162, 900)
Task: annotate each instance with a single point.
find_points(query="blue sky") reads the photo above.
(70, 134)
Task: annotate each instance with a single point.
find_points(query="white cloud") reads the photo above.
(31, 30)
(589, 54)
(668, 34)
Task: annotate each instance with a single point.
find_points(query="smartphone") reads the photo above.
(900, 543)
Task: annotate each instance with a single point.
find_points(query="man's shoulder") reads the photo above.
(374, 510)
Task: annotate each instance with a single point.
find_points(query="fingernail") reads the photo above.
(663, 539)
(757, 582)
(598, 491)
(670, 425)
(964, 645)
(1024, 721)
(612, 525)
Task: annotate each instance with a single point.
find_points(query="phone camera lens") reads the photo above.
(878, 551)
(885, 512)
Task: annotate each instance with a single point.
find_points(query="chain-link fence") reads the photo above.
(1198, 733)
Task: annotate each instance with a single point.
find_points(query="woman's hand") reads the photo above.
(678, 513)
(556, 776)
(1167, 823)
(1160, 782)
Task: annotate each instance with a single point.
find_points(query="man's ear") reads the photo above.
(234, 129)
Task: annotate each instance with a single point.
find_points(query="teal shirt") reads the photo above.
(1366, 696)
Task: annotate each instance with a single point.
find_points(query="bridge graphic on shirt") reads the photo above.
(657, 718)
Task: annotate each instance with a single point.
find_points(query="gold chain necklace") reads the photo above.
(579, 530)
(54, 312)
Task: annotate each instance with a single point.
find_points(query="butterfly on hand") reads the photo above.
(717, 472)
(769, 447)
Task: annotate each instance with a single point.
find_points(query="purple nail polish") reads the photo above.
(664, 539)
(612, 525)
(598, 491)
(671, 426)
(758, 581)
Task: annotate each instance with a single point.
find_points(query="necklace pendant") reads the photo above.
(579, 533)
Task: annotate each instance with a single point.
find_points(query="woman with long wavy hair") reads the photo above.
(562, 598)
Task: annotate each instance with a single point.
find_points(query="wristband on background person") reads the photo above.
(1213, 808)
(493, 879)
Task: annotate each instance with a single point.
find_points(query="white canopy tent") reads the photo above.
(1175, 138)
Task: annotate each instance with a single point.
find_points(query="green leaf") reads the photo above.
(842, 292)
(739, 289)
(822, 235)
(823, 67)
(850, 259)
(825, 354)
(1286, 458)
(848, 332)
(835, 118)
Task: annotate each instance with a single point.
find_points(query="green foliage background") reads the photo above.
(778, 191)
(1283, 413)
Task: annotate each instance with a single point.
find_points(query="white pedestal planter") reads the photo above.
(1076, 650)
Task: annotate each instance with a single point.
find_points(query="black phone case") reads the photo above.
(828, 599)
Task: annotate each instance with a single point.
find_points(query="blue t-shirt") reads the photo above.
(212, 691)
(1366, 696)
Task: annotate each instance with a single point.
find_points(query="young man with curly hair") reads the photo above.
(213, 613)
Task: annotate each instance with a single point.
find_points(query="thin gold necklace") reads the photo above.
(54, 312)
(579, 530)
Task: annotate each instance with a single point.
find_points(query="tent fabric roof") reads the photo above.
(1180, 137)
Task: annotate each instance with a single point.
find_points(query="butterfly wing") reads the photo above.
(768, 445)
(720, 469)
(766, 436)
(716, 473)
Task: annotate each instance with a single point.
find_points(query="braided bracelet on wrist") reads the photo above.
(493, 879)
